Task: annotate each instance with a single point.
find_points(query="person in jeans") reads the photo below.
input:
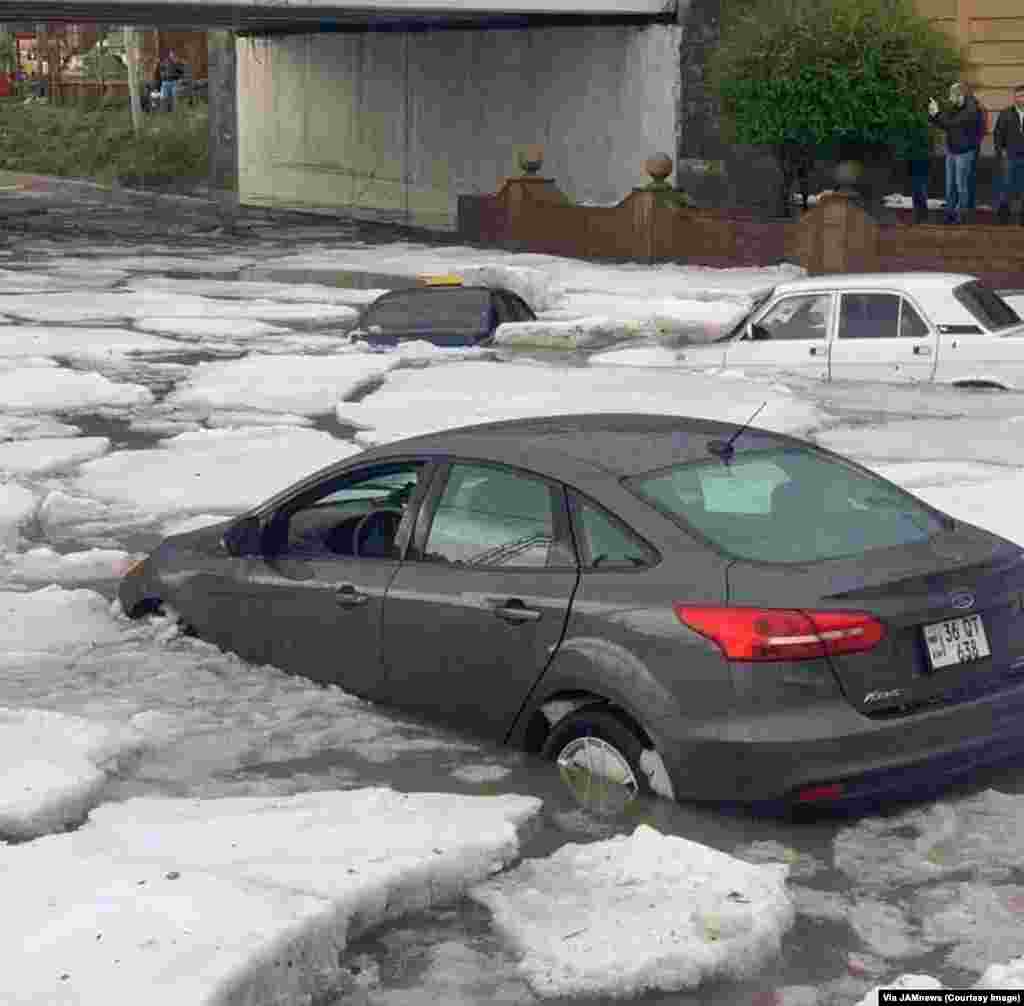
(169, 72)
(972, 176)
(960, 125)
(1008, 140)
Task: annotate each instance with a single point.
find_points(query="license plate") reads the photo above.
(957, 641)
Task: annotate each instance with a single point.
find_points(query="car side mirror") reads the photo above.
(244, 537)
(759, 332)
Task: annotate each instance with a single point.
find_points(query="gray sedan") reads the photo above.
(676, 605)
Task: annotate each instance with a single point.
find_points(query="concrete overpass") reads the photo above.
(394, 108)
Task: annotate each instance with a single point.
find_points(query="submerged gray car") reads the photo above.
(674, 604)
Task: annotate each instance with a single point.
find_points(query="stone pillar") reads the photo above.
(223, 123)
(701, 150)
(837, 236)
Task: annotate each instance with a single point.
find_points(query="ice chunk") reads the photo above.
(972, 922)
(14, 427)
(467, 392)
(224, 469)
(296, 384)
(1003, 976)
(17, 505)
(41, 389)
(54, 454)
(53, 767)
(81, 343)
(44, 565)
(646, 911)
(209, 328)
(884, 929)
(979, 834)
(54, 620)
(238, 900)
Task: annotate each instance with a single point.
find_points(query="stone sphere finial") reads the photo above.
(659, 167)
(531, 157)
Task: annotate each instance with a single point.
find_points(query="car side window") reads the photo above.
(605, 541)
(492, 517)
(357, 514)
(802, 317)
(869, 316)
(912, 325)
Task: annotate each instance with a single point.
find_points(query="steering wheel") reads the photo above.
(386, 518)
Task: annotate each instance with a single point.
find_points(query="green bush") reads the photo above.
(830, 76)
(96, 141)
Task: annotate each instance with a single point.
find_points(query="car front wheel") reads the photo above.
(599, 759)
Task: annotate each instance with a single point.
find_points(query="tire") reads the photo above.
(598, 758)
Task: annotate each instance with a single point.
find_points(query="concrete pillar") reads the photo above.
(223, 123)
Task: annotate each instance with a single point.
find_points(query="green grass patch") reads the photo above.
(95, 141)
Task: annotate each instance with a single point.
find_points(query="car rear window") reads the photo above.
(986, 305)
(449, 309)
(787, 505)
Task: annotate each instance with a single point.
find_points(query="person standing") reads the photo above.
(169, 72)
(1008, 140)
(960, 125)
(972, 175)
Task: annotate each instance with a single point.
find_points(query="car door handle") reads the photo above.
(349, 597)
(922, 351)
(813, 351)
(516, 612)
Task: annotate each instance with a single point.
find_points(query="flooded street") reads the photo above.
(932, 888)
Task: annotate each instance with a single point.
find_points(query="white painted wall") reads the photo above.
(405, 123)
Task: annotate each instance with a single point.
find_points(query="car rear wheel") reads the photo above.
(598, 757)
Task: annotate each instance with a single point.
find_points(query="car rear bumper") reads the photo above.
(842, 757)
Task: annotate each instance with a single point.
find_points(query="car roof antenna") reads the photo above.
(724, 448)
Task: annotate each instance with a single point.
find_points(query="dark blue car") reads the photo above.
(446, 315)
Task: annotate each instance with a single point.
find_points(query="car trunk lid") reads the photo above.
(961, 572)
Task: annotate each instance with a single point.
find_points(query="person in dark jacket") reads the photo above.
(1008, 140)
(960, 125)
(972, 175)
(168, 72)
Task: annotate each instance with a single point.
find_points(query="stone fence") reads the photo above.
(653, 224)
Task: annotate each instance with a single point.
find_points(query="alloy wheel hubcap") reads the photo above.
(597, 773)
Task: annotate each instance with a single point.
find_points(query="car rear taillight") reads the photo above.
(761, 634)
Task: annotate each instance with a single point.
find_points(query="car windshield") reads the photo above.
(986, 305)
(448, 309)
(735, 330)
(787, 505)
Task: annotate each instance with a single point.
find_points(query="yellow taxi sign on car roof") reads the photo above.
(441, 279)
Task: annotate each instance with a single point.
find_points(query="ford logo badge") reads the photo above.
(962, 600)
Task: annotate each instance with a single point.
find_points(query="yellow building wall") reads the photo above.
(992, 33)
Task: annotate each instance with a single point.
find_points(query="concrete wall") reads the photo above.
(403, 123)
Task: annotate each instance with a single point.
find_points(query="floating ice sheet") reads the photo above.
(295, 384)
(81, 343)
(43, 565)
(54, 454)
(53, 767)
(43, 389)
(237, 900)
(639, 912)
(464, 393)
(228, 469)
(17, 505)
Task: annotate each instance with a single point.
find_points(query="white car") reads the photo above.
(912, 327)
